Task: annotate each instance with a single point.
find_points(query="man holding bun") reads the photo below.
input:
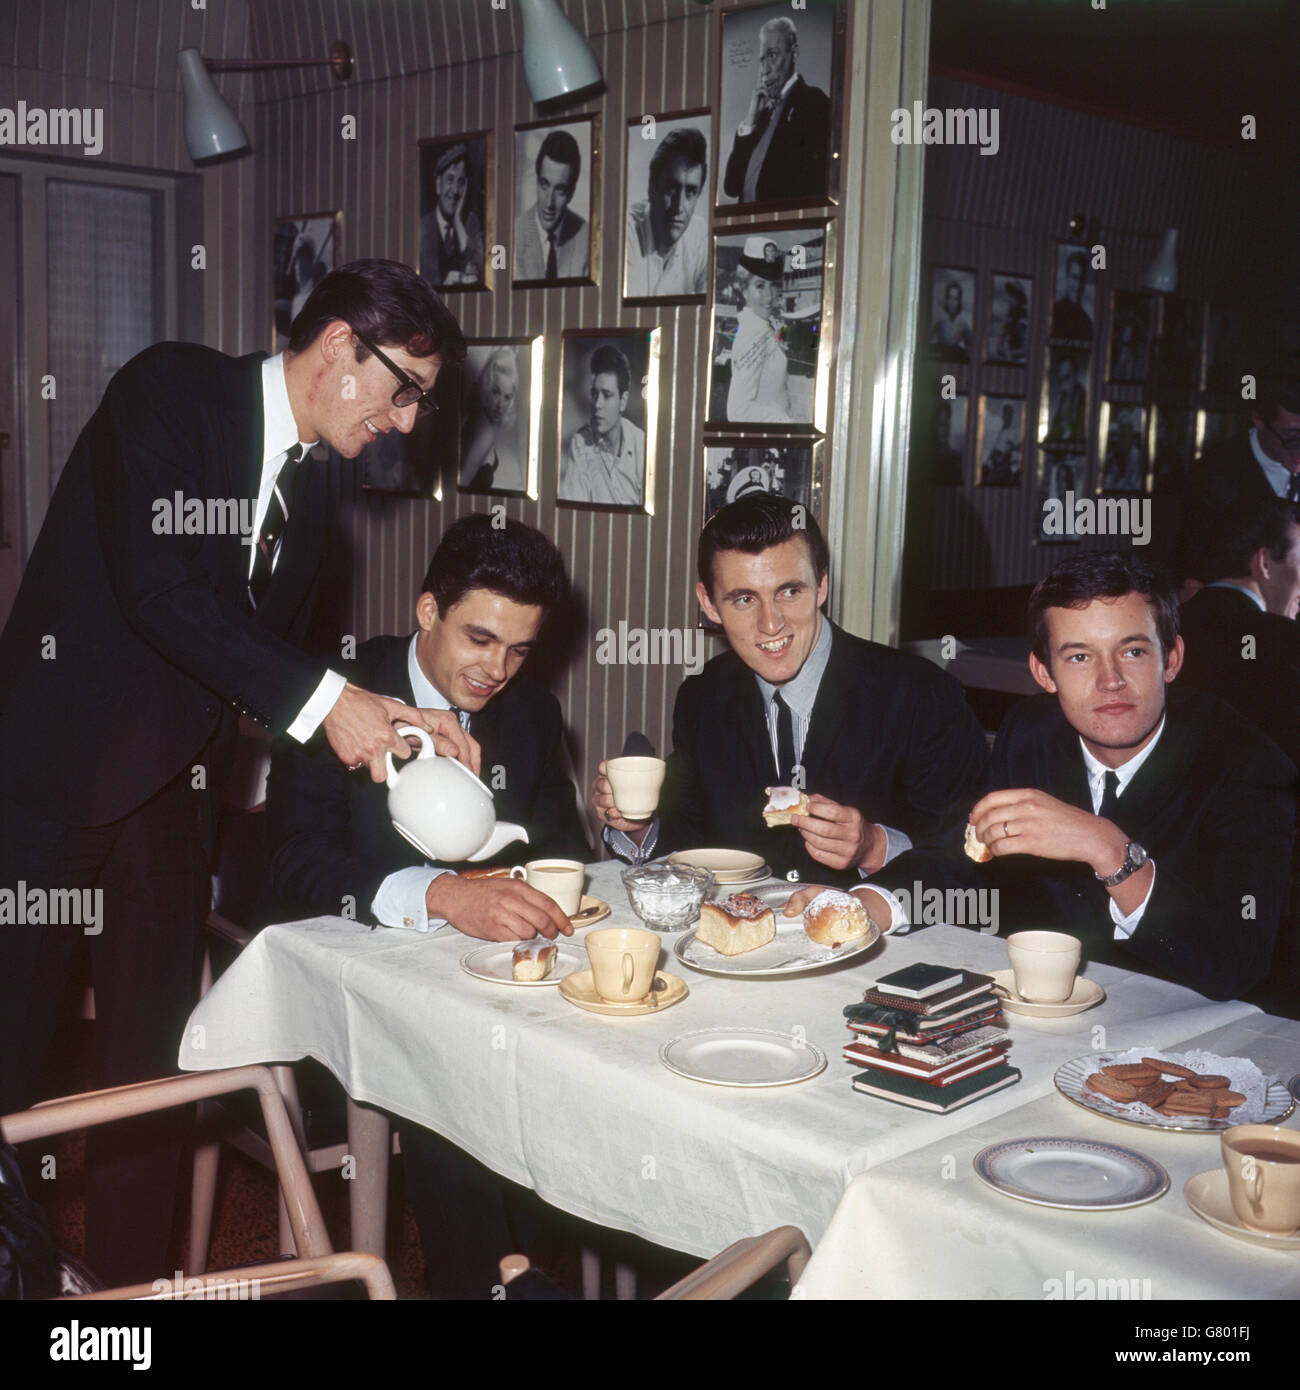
(883, 743)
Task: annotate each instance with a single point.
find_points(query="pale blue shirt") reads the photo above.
(1241, 589)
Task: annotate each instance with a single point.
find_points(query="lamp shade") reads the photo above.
(211, 128)
(1162, 273)
(557, 60)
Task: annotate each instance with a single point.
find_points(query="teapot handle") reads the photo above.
(426, 749)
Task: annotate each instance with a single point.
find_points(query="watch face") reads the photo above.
(1137, 856)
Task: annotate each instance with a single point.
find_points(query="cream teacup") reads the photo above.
(635, 783)
(1044, 964)
(623, 962)
(560, 879)
(1263, 1163)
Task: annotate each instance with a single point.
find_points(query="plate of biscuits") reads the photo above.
(745, 934)
(1191, 1092)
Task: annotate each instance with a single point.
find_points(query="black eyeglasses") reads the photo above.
(409, 392)
(1290, 441)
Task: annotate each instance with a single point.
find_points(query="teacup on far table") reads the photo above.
(560, 879)
(623, 962)
(635, 783)
(1044, 964)
(1263, 1163)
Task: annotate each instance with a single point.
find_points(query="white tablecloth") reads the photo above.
(579, 1107)
(925, 1226)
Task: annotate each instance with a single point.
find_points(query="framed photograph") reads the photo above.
(778, 74)
(952, 311)
(1063, 412)
(1073, 296)
(939, 448)
(771, 327)
(411, 465)
(733, 468)
(557, 202)
(666, 220)
(1010, 302)
(304, 250)
(1132, 315)
(1123, 432)
(501, 417)
(1173, 434)
(1179, 344)
(1213, 427)
(455, 219)
(609, 407)
(1062, 479)
(1001, 438)
(1224, 347)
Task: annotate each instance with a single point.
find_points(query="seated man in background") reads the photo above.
(883, 743)
(485, 600)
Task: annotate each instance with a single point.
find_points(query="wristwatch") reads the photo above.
(1134, 858)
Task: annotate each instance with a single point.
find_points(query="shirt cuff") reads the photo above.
(312, 715)
(742, 129)
(400, 901)
(898, 922)
(1126, 926)
(627, 848)
(896, 843)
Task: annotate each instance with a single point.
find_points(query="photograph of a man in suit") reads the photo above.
(551, 241)
(883, 743)
(451, 231)
(130, 654)
(782, 144)
(1069, 402)
(1071, 320)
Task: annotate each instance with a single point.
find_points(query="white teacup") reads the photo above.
(636, 783)
(623, 962)
(1044, 964)
(560, 879)
(1263, 1163)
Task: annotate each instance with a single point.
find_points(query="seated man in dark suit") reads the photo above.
(486, 597)
(883, 742)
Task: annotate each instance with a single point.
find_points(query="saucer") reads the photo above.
(1085, 995)
(579, 989)
(597, 907)
(1207, 1195)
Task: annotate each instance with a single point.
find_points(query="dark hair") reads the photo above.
(756, 523)
(505, 556)
(1230, 540)
(1080, 259)
(610, 359)
(1277, 392)
(388, 303)
(1095, 574)
(683, 143)
(562, 148)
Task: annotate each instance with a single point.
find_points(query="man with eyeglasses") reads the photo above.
(133, 647)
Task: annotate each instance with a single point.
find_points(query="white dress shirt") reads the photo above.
(1278, 474)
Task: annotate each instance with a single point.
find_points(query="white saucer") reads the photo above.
(1074, 1174)
(494, 962)
(1085, 995)
(579, 988)
(742, 1057)
(1207, 1195)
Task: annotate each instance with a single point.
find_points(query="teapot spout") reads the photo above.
(503, 835)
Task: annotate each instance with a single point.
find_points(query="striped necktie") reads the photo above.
(273, 524)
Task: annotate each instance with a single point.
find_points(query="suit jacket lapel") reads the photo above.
(300, 548)
(749, 718)
(835, 698)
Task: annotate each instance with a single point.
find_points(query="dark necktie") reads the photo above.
(273, 524)
(1293, 488)
(449, 248)
(552, 269)
(785, 754)
(1110, 797)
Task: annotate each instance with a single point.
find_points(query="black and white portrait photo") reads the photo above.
(303, 252)
(938, 453)
(454, 178)
(1223, 349)
(1178, 347)
(768, 301)
(410, 465)
(734, 470)
(666, 241)
(1067, 397)
(1009, 309)
(952, 311)
(1074, 296)
(1123, 448)
(1174, 433)
(499, 424)
(1062, 476)
(608, 397)
(1130, 337)
(774, 121)
(1000, 440)
(554, 198)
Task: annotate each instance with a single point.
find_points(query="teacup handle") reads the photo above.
(629, 969)
(519, 872)
(427, 749)
(1252, 1173)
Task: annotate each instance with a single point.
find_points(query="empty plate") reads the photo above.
(731, 863)
(742, 1057)
(1076, 1174)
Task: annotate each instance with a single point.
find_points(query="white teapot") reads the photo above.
(442, 808)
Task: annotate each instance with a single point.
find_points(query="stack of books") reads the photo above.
(931, 1037)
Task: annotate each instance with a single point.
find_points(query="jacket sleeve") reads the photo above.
(681, 807)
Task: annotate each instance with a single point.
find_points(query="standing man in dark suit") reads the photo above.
(782, 146)
(165, 594)
(883, 743)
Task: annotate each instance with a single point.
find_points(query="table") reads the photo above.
(578, 1107)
